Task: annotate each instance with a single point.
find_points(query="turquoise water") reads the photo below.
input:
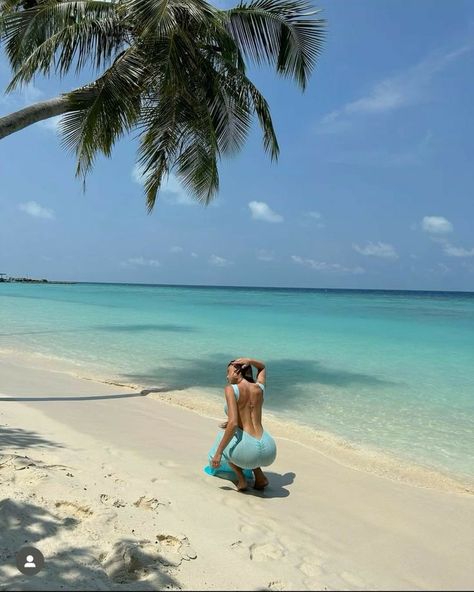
(390, 370)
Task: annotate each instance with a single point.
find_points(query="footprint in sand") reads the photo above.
(136, 560)
(107, 500)
(176, 545)
(73, 509)
(149, 503)
(266, 552)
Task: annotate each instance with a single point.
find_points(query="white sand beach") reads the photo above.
(108, 483)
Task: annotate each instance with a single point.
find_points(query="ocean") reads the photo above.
(387, 371)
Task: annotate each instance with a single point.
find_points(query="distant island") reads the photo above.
(27, 280)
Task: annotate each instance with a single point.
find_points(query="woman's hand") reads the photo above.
(216, 461)
(242, 361)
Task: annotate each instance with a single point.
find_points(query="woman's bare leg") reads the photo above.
(241, 480)
(260, 480)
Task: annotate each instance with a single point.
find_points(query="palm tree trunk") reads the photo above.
(18, 120)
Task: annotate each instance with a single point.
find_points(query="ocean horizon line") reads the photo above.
(282, 288)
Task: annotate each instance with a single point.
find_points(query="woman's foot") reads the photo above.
(241, 480)
(260, 480)
(260, 484)
(241, 484)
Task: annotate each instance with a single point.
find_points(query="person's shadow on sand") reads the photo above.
(275, 488)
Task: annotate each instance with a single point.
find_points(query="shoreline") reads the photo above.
(336, 448)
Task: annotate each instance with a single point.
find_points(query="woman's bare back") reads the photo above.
(250, 405)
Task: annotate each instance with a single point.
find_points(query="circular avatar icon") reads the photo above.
(29, 561)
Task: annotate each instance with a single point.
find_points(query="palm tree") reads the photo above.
(172, 70)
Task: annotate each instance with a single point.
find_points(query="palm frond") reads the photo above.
(236, 84)
(54, 36)
(102, 112)
(159, 17)
(197, 170)
(279, 32)
(159, 141)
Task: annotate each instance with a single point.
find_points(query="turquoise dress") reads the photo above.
(244, 450)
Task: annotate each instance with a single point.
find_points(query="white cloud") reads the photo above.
(32, 208)
(193, 254)
(261, 211)
(328, 267)
(315, 215)
(379, 249)
(409, 87)
(453, 251)
(263, 255)
(219, 261)
(142, 262)
(176, 249)
(436, 225)
(171, 190)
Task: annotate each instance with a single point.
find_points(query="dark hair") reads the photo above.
(244, 369)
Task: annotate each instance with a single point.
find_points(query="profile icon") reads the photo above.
(29, 561)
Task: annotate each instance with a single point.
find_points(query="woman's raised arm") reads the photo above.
(260, 366)
(255, 363)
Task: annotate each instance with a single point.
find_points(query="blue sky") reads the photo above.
(374, 187)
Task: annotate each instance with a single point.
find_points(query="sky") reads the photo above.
(374, 187)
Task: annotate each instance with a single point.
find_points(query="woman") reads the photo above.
(243, 444)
